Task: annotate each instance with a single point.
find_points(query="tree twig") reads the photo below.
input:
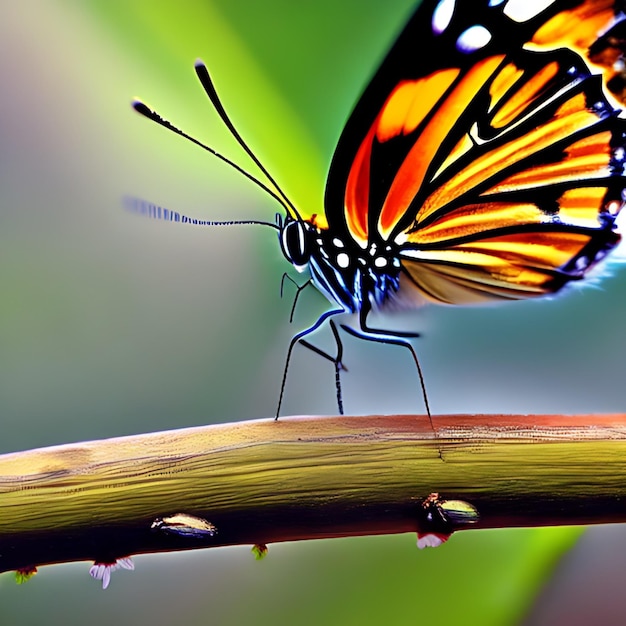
(302, 478)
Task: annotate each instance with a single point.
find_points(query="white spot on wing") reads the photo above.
(524, 10)
(343, 260)
(581, 263)
(472, 39)
(442, 16)
(613, 207)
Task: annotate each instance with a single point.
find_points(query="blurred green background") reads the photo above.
(112, 324)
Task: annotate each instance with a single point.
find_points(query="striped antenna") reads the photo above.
(153, 211)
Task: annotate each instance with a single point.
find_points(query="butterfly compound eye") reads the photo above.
(295, 243)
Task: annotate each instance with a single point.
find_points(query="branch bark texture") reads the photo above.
(303, 478)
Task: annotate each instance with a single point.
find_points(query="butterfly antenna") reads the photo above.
(146, 111)
(209, 88)
(153, 211)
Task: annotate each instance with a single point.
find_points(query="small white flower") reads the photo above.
(103, 571)
(430, 540)
(126, 563)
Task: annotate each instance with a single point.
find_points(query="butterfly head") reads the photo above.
(295, 241)
(342, 270)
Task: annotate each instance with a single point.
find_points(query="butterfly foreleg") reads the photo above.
(299, 338)
(336, 360)
(299, 290)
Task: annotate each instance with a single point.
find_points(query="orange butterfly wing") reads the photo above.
(498, 172)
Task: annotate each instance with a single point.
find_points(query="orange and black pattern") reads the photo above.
(487, 155)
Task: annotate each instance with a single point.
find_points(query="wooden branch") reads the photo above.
(302, 478)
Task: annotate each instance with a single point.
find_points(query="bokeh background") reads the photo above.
(112, 324)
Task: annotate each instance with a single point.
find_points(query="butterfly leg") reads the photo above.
(337, 361)
(299, 337)
(398, 338)
(299, 290)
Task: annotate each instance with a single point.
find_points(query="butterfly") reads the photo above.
(483, 162)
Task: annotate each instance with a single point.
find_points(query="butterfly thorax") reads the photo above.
(347, 274)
